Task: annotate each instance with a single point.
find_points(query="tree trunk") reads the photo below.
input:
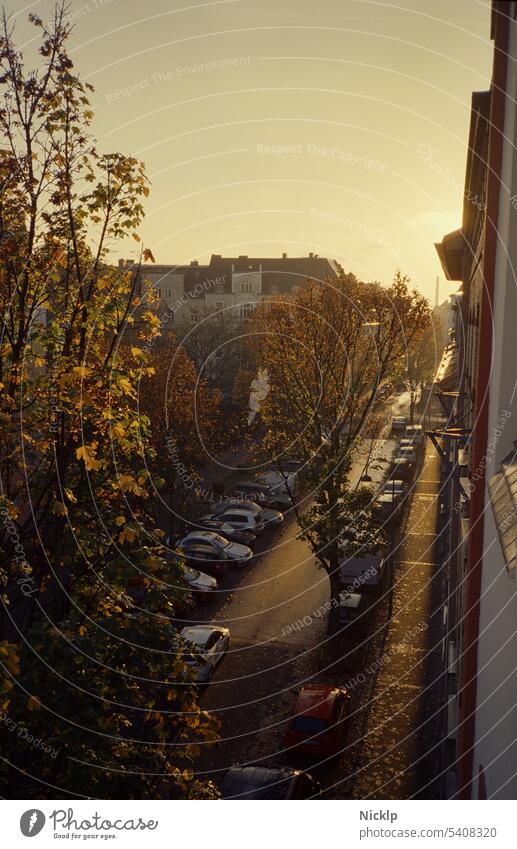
(335, 589)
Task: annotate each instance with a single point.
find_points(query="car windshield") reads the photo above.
(309, 724)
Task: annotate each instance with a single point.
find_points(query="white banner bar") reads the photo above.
(347, 824)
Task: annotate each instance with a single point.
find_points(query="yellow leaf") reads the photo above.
(129, 484)
(87, 454)
(118, 429)
(124, 384)
(59, 509)
(81, 371)
(119, 521)
(127, 535)
(138, 353)
(33, 703)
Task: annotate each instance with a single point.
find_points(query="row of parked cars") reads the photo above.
(222, 537)
(362, 577)
(318, 722)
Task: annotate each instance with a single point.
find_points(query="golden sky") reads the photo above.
(337, 126)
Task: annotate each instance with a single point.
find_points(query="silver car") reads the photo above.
(218, 543)
(205, 647)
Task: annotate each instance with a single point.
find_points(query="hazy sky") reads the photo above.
(337, 126)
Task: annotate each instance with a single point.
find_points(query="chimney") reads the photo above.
(242, 256)
(311, 255)
(284, 256)
(121, 263)
(194, 262)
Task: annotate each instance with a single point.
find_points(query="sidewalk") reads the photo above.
(399, 757)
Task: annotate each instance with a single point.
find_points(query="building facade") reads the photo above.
(230, 286)
(480, 440)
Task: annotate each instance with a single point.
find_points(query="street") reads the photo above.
(277, 611)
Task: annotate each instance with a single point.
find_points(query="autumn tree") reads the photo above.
(327, 349)
(185, 423)
(421, 363)
(86, 668)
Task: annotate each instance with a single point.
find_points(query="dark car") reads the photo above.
(259, 782)
(226, 530)
(205, 558)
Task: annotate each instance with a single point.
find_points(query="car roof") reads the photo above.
(198, 634)
(352, 600)
(257, 781)
(204, 534)
(316, 700)
(198, 546)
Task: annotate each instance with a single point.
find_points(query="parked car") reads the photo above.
(402, 468)
(219, 544)
(284, 482)
(318, 725)
(389, 503)
(398, 424)
(204, 557)
(351, 605)
(362, 573)
(408, 451)
(415, 433)
(262, 515)
(261, 494)
(201, 585)
(239, 518)
(260, 782)
(206, 646)
(394, 487)
(226, 530)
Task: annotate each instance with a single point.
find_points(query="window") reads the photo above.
(245, 287)
(213, 639)
(167, 294)
(246, 311)
(309, 724)
(193, 316)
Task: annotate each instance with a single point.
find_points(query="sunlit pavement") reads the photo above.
(399, 754)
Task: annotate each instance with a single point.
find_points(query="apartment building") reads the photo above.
(230, 286)
(476, 384)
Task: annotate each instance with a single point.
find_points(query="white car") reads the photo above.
(415, 433)
(239, 517)
(205, 647)
(394, 487)
(218, 543)
(407, 451)
(399, 423)
(199, 582)
(284, 482)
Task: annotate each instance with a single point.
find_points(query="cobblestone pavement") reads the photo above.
(401, 736)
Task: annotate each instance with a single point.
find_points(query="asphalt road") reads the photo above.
(276, 609)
